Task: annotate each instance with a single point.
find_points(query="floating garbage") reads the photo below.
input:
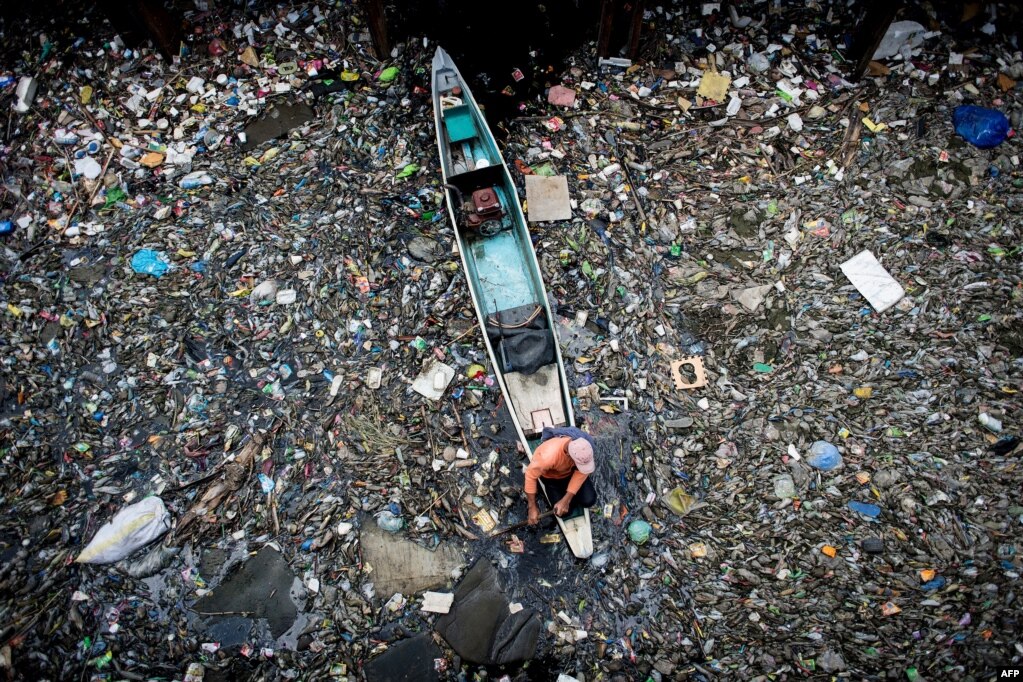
(825, 456)
(149, 262)
(132, 528)
(639, 531)
(231, 283)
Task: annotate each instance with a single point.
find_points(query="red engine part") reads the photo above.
(486, 203)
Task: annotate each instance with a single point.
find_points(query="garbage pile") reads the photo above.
(250, 429)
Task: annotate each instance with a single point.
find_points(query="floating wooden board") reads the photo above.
(547, 198)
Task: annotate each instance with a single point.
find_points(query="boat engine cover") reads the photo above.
(485, 202)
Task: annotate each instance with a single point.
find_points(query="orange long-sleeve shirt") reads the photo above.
(551, 460)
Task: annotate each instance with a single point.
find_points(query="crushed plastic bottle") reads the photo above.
(865, 508)
(784, 487)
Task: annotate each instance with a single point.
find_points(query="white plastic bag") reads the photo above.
(900, 34)
(133, 527)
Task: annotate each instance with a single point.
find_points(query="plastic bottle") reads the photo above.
(196, 179)
(989, 422)
(25, 94)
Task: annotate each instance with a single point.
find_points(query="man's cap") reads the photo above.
(581, 452)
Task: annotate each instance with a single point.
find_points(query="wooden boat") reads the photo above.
(503, 273)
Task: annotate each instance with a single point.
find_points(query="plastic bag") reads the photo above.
(149, 262)
(984, 128)
(132, 528)
(389, 521)
(824, 456)
(639, 531)
(900, 34)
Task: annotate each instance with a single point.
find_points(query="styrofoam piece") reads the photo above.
(872, 280)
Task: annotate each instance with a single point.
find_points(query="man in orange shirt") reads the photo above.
(563, 462)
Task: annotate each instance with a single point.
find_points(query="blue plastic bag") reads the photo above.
(865, 508)
(149, 262)
(984, 128)
(824, 455)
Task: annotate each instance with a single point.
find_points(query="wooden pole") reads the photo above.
(637, 28)
(880, 14)
(376, 16)
(604, 34)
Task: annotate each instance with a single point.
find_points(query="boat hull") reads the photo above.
(503, 274)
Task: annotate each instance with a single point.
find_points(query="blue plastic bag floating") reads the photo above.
(865, 508)
(149, 262)
(984, 128)
(824, 455)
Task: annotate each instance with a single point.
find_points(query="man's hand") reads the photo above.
(562, 505)
(534, 515)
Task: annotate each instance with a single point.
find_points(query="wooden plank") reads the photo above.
(880, 14)
(529, 393)
(637, 28)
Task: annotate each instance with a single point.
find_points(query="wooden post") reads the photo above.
(637, 27)
(139, 19)
(607, 10)
(163, 27)
(376, 17)
(880, 14)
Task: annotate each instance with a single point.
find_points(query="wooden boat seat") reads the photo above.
(480, 178)
(447, 79)
(459, 124)
(537, 399)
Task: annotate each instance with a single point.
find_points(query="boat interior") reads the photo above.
(509, 295)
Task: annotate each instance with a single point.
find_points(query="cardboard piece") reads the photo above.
(438, 602)
(433, 380)
(714, 85)
(751, 298)
(400, 565)
(547, 198)
(872, 280)
(696, 362)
